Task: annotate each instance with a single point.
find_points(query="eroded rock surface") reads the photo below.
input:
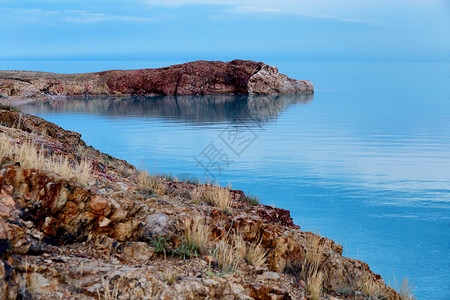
(193, 78)
(114, 238)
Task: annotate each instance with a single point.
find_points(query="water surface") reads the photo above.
(365, 160)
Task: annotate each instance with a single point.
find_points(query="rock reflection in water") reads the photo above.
(190, 109)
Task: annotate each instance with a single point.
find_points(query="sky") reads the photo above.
(225, 29)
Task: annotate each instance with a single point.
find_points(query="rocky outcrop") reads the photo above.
(193, 78)
(267, 81)
(120, 238)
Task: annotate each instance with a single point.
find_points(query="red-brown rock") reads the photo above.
(192, 78)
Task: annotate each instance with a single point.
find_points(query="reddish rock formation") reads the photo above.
(193, 78)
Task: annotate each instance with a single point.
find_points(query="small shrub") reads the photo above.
(185, 251)
(251, 199)
(186, 194)
(345, 291)
(165, 176)
(160, 245)
(192, 180)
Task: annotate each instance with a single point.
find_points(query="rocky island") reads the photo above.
(193, 78)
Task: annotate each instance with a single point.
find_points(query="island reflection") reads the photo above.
(188, 109)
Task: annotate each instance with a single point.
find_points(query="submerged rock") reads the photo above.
(193, 78)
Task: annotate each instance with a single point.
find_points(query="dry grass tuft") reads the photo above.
(406, 290)
(311, 266)
(150, 183)
(30, 156)
(197, 195)
(227, 256)
(229, 252)
(170, 277)
(213, 195)
(314, 283)
(108, 293)
(124, 170)
(240, 245)
(197, 234)
(256, 255)
(371, 288)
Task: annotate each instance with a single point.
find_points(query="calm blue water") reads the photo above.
(366, 160)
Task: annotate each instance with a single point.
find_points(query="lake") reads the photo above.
(365, 160)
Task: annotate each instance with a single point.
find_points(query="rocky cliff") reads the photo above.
(76, 223)
(193, 78)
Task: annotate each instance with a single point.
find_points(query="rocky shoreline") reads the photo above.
(76, 223)
(194, 78)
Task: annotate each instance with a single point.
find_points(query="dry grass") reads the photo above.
(124, 170)
(314, 283)
(197, 234)
(108, 293)
(240, 245)
(29, 155)
(313, 255)
(227, 256)
(170, 277)
(213, 195)
(311, 266)
(229, 252)
(370, 288)
(150, 183)
(197, 195)
(406, 290)
(255, 255)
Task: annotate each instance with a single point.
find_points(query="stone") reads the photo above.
(139, 251)
(99, 205)
(269, 276)
(157, 225)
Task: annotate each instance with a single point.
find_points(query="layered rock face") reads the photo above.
(193, 78)
(125, 236)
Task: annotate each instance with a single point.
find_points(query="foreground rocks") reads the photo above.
(193, 78)
(118, 238)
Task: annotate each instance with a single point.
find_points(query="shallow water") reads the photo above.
(365, 160)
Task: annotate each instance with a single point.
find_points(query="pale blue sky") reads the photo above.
(225, 29)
